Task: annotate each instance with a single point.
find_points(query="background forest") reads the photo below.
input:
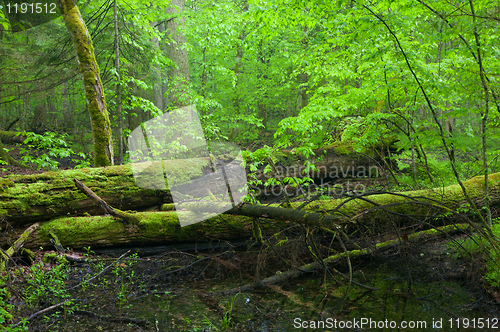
(271, 71)
(411, 86)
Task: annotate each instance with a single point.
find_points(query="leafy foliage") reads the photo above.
(52, 148)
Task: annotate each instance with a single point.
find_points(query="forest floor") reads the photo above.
(182, 291)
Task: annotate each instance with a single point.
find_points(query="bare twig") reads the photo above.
(104, 270)
(41, 312)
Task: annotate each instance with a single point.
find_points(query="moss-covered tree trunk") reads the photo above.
(4, 155)
(9, 137)
(163, 227)
(39, 197)
(154, 228)
(94, 92)
(337, 160)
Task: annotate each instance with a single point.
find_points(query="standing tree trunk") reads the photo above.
(177, 52)
(484, 117)
(262, 87)
(302, 98)
(94, 92)
(24, 113)
(237, 71)
(159, 87)
(40, 117)
(66, 109)
(118, 89)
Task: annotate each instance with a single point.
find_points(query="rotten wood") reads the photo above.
(7, 255)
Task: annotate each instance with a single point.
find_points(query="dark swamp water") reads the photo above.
(422, 286)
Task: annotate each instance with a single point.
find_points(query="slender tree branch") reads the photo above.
(434, 115)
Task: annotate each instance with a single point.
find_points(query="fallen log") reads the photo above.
(128, 217)
(272, 212)
(334, 161)
(430, 205)
(163, 227)
(31, 198)
(9, 137)
(26, 199)
(153, 228)
(427, 204)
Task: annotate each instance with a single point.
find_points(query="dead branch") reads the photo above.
(318, 265)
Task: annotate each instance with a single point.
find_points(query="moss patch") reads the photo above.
(153, 228)
(38, 197)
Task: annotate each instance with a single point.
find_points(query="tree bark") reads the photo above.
(40, 197)
(154, 228)
(66, 108)
(159, 87)
(94, 92)
(39, 123)
(118, 88)
(177, 52)
(163, 227)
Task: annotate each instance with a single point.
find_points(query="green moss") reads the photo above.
(54, 257)
(182, 170)
(444, 200)
(341, 148)
(54, 193)
(74, 230)
(5, 183)
(159, 224)
(96, 103)
(153, 227)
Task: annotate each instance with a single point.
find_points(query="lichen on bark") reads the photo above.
(94, 92)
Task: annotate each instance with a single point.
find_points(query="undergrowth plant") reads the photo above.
(6, 314)
(46, 285)
(227, 316)
(53, 146)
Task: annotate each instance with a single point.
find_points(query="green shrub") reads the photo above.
(52, 146)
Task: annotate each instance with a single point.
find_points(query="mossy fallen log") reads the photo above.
(379, 210)
(153, 228)
(430, 205)
(163, 227)
(260, 211)
(30, 198)
(337, 160)
(9, 137)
